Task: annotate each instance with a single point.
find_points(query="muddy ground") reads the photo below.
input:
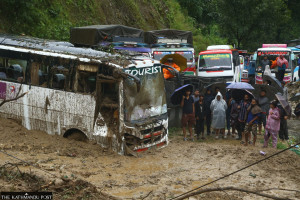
(83, 170)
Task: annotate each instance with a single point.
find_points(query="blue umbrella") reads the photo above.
(240, 85)
(176, 97)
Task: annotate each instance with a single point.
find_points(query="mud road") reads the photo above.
(83, 170)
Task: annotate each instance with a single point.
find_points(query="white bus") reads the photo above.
(119, 103)
(271, 52)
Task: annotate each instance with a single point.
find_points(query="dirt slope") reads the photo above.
(86, 169)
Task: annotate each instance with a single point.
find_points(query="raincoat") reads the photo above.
(273, 121)
(218, 109)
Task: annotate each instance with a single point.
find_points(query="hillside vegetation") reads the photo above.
(246, 24)
(52, 19)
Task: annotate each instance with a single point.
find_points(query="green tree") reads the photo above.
(257, 21)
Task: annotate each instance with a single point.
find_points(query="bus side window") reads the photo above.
(58, 78)
(85, 80)
(12, 70)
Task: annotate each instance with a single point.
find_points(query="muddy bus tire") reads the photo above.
(76, 135)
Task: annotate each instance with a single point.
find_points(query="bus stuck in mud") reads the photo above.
(68, 91)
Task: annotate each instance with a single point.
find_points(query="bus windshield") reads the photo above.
(211, 62)
(158, 55)
(150, 101)
(269, 58)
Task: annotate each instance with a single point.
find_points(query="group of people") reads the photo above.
(243, 119)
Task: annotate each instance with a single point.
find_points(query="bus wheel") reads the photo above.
(76, 135)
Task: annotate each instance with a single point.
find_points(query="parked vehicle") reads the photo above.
(218, 62)
(272, 51)
(168, 41)
(117, 37)
(120, 103)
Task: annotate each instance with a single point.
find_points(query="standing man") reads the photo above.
(282, 65)
(196, 95)
(188, 114)
(264, 63)
(263, 102)
(242, 107)
(252, 115)
(200, 116)
(228, 110)
(208, 98)
(283, 131)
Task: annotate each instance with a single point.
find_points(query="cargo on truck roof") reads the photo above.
(168, 36)
(95, 34)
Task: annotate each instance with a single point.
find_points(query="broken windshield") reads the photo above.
(150, 101)
(213, 62)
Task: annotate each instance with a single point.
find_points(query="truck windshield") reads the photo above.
(211, 62)
(150, 101)
(269, 58)
(158, 55)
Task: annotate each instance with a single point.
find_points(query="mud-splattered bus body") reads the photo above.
(118, 102)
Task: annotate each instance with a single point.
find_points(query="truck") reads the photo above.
(170, 41)
(118, 37)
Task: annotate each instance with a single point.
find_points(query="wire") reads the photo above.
(28, 163)
(236, 171)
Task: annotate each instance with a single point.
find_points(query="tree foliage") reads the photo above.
(247, 23)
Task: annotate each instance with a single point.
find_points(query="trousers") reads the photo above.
(267, 135)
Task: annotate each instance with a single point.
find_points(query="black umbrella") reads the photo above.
(271, 80)
(238, 94)
(284, 103)
(221, 85)
(270, 91)
(176, 97)
(296, 97)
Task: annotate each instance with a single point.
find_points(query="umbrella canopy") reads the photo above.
(240, 85)
(213, 86)
(176, 97)
(284, 103)
(271, 80)
(238, 94)
(296, 97)
(177, 59)
(270, 91)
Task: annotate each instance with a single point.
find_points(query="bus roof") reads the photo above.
(172, 49)
(216, 51)
(274, 49)
(51, 46)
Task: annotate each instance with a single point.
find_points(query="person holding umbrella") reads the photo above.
(242, 107)
(218, 108)
(188, 114)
